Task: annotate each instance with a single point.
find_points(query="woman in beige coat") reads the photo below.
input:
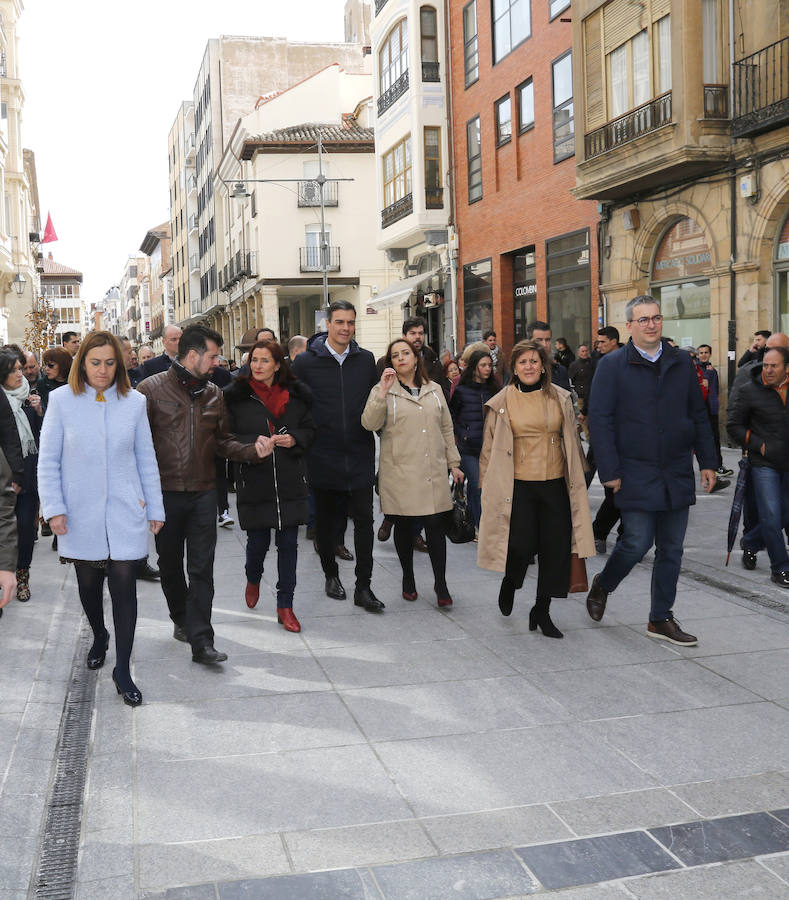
(534, 498)
(417, 452)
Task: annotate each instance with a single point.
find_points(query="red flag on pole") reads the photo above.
(49, 231)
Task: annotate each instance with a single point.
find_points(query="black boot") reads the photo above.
(506, 595)
(540, 615)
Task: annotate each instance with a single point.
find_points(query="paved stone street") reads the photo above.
(417, 754)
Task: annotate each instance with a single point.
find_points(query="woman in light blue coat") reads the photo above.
(100, 491)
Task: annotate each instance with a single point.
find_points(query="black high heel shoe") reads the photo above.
(131, 697)
(507, 596)
(539, 615)
(98, 652)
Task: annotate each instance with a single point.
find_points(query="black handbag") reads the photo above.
(460, 524)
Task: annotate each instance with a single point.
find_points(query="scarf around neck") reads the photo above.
(192, 383)
(16, 399)
(274, 398)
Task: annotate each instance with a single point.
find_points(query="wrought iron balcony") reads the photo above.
(242, 264)
(379, 5)
(311, 259)
(716, 101)
(434, 198)
(395, 90)
(632, 125)
(397, 210)
(430, 71)
(310, 193)
(761, 90)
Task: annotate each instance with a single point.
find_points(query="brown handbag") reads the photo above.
(578, 581)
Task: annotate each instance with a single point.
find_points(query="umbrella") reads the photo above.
(736, 504)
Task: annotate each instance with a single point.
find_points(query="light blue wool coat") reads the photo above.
(97, 466)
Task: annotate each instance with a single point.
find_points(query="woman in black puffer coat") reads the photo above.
(272, 493)
(476, 386)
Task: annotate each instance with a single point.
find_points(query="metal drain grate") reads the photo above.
(55, 874)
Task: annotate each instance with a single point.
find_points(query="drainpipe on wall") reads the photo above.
(453, 266)
(732, 347)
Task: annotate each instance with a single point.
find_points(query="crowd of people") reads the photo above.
(107, 445)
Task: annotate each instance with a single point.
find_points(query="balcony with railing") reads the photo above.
(761, 90)
(642, 120)
(189, 148)
(309, 193)
(311, 259)
(392, 93)
(716, 101)
(242, 264)
(397, 210)
(430, 71)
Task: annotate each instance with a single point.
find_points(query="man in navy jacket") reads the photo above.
(170, 337)
(341, 460)
(647, 418)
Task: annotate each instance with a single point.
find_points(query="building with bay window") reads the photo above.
(682, 139)
(413, 158)
(526, 248)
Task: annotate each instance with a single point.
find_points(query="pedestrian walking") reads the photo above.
(703, 360)
(759, 422)
(476, 386)
(8, 548)
(534, 500)
(581, 372)
(563, 354)
(100, 491)
(755, 353)
(341, 460)
(418, 453)
(273, 494)
(171, 335)
(189, 426)
(647, 418)
(57, 366)
(541, 332)
(27, 411)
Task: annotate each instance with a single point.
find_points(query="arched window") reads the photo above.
(393, 57)
(428, 25)
(679, 283)
(781, 268)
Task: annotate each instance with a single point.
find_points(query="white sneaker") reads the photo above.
(225, 520)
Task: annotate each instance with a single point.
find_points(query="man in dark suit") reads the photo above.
(170, 337)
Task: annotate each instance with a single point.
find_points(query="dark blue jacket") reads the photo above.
(342, 456)
(646, 422)
(468, 415)
(153, 366)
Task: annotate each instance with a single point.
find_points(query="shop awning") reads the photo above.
(400, 291)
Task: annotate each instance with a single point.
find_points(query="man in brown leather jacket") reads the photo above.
(189, 425)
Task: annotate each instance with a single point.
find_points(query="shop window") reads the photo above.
(569, 286)
(678, 282)
(477, 299)
(524, 290)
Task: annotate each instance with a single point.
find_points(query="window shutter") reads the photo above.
(623, 20)
(594, 81)
(660, 8)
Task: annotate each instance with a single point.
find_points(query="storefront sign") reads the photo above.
(682, 253)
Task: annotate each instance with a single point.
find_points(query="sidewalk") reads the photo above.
(420, 753)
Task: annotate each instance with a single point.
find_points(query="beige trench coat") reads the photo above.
(417, 449)
(497, 477)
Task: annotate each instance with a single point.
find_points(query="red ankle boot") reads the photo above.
(286, 618)
(252, 594)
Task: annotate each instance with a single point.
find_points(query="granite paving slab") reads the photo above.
(765, 672)
(733, 837)
(343, 884)
(623, 812)
(729, 880)
(752, 793)
(465, 832)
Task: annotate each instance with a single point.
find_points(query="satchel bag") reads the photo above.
(578, 580)
(460, 524)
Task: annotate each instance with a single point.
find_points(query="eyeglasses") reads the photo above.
(49, 365)
(645, 320)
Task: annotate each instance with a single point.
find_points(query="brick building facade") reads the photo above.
(527, 249)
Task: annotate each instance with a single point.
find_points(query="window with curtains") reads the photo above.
(662, 32)
(428, 34)
(393, 56)
(474, 159)
(470, 43)
(710, 41)
(397, 172)
(628, 68)
(511, 25)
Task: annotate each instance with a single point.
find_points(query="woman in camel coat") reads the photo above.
(534, 499)
(418, 452)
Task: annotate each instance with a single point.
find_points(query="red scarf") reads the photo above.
(275, 398)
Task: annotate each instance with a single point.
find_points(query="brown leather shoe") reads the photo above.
(342, 552)
(385, 530)
(596, 600)
(669, 630)
(419, 544)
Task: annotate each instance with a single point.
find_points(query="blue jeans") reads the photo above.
(258, 542)
(470, 467)
(666, 530)
(771, 489)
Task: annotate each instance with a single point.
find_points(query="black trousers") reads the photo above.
(716, 436)
(360, 511)
(540, 524)
(221, 485)
(190, 524)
